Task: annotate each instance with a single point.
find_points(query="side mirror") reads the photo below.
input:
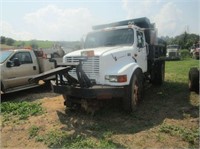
(16, 62)
(9, 64)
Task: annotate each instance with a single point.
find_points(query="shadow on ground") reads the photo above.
(29, 94)
(171, 100)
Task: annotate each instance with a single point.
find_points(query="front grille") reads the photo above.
(90, 66)
(172, 54)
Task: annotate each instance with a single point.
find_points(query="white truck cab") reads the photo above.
(113, 52)
(173, 52)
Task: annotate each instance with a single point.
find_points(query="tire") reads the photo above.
(2, 87)
(194, 80)
(133, 92)
(68, 102)
(158, 73)
(56, 55)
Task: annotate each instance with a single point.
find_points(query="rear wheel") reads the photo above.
(158, 73)
(194, 80)
(133, 92)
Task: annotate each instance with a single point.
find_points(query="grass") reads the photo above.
(19, 110)
(40, 43)
(61, 139)
(167, 118)
(177, 71)
(33, 131)
(189, 135)
(4, 46)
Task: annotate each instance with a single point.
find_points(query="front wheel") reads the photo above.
(133, 92)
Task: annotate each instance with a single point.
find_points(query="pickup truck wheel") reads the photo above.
(133, 92)
(2, 87)
(194, 80)
(158, 74)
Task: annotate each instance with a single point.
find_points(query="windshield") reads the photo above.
(110, 38)
(4, 55)
(173, 47)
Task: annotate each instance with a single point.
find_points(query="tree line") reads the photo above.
(7, 41)
(12, 42)
(185, 41)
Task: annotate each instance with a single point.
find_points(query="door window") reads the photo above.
(140, 39)
(24, 57)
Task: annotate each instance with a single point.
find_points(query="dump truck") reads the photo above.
(173, 52)
(115, 62)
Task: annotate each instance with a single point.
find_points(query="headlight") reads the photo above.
(116, 78)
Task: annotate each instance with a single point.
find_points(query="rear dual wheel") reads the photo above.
(194, 80)
(158, 73)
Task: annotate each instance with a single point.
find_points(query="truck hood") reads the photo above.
(100, 51)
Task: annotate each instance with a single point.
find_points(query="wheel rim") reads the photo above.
(135, 92)
(189, 84)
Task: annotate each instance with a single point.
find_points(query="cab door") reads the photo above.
(18, 75)
(141, 50)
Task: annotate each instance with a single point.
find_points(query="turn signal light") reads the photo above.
(122, 78)
(115, 78)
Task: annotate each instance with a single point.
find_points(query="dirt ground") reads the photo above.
(138, 130)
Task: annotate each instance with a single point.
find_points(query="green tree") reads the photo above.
(185, 40)
(3, 40)
(34, 44)
(10, 41)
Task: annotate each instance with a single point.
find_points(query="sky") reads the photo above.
(70, 20)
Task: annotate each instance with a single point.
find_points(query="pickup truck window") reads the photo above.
(109, 38)
(4, 55)
(24, 57)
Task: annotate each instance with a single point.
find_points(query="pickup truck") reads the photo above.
(116, 60)
(19, 65)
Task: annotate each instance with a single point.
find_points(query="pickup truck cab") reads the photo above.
(19, 65)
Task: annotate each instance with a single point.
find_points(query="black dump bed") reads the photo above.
(140, 22)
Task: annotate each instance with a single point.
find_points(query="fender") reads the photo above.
(122, 68)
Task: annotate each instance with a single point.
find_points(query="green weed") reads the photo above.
(21, 110)
(83, 142)
(191, 136)
(60, 139)
(33, 131)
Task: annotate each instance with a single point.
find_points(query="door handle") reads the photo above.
(34, 67)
